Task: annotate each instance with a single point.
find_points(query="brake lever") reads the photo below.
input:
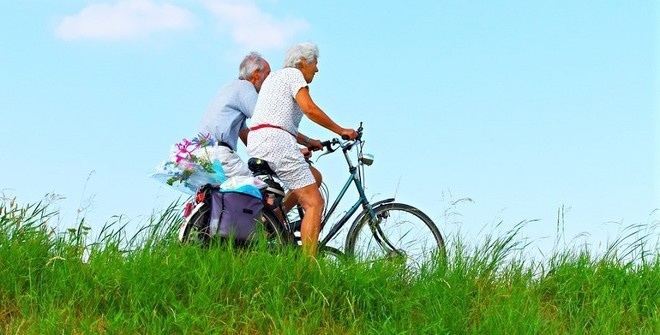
(328, 145)
(321, 155)
(329, 149)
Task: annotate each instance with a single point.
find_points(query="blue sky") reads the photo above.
(523, 107)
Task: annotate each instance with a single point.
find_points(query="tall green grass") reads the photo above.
(72, 283)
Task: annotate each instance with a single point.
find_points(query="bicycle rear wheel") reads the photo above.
(271, 231)
(268, 229)
(194, 229)
(399, 232)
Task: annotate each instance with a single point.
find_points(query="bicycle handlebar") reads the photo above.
(333, 144)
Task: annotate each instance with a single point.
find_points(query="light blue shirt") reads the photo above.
(227, 114)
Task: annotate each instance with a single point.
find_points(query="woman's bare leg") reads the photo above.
(291, 199)
(312, 203)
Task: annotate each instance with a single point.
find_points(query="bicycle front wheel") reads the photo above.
(396, 231)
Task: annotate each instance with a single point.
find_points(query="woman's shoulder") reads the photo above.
(287, 72)
(284, 80)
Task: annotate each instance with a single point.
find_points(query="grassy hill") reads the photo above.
(63, 283)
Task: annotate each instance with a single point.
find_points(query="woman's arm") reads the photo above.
(314, 113)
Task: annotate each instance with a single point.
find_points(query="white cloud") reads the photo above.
(123, 19)
(253, 28)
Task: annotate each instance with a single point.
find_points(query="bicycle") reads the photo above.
(381, 230)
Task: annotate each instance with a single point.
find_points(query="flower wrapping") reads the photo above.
(189, 166)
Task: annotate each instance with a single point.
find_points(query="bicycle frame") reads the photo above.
(356, 173)
(356, 178)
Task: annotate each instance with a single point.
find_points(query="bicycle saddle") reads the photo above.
(259, 167)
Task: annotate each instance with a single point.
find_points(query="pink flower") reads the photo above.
(184, 153)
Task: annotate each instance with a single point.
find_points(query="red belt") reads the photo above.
(266, 125)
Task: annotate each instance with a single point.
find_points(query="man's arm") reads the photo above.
(242, 134)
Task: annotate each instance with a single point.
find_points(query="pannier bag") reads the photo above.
(218, 212)
(234, 214)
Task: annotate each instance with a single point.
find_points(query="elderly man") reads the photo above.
(225, 119)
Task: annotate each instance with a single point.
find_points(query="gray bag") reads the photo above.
(217, 212)
(234, 214)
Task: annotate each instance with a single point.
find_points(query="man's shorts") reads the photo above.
(231, 162)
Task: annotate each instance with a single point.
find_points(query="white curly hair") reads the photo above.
(296, 53)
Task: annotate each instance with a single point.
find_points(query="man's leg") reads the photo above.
(233, 165)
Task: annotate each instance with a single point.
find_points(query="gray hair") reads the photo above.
(294, 56)
(253, 61)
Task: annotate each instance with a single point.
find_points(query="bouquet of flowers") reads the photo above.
(189, 165)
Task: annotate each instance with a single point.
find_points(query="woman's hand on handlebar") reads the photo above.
(348, 134)
(315, 145)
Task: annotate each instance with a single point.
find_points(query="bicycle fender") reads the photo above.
(184, 228)
(378, 203)
(363, 213)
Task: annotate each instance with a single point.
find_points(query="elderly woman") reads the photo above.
(283, 100)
